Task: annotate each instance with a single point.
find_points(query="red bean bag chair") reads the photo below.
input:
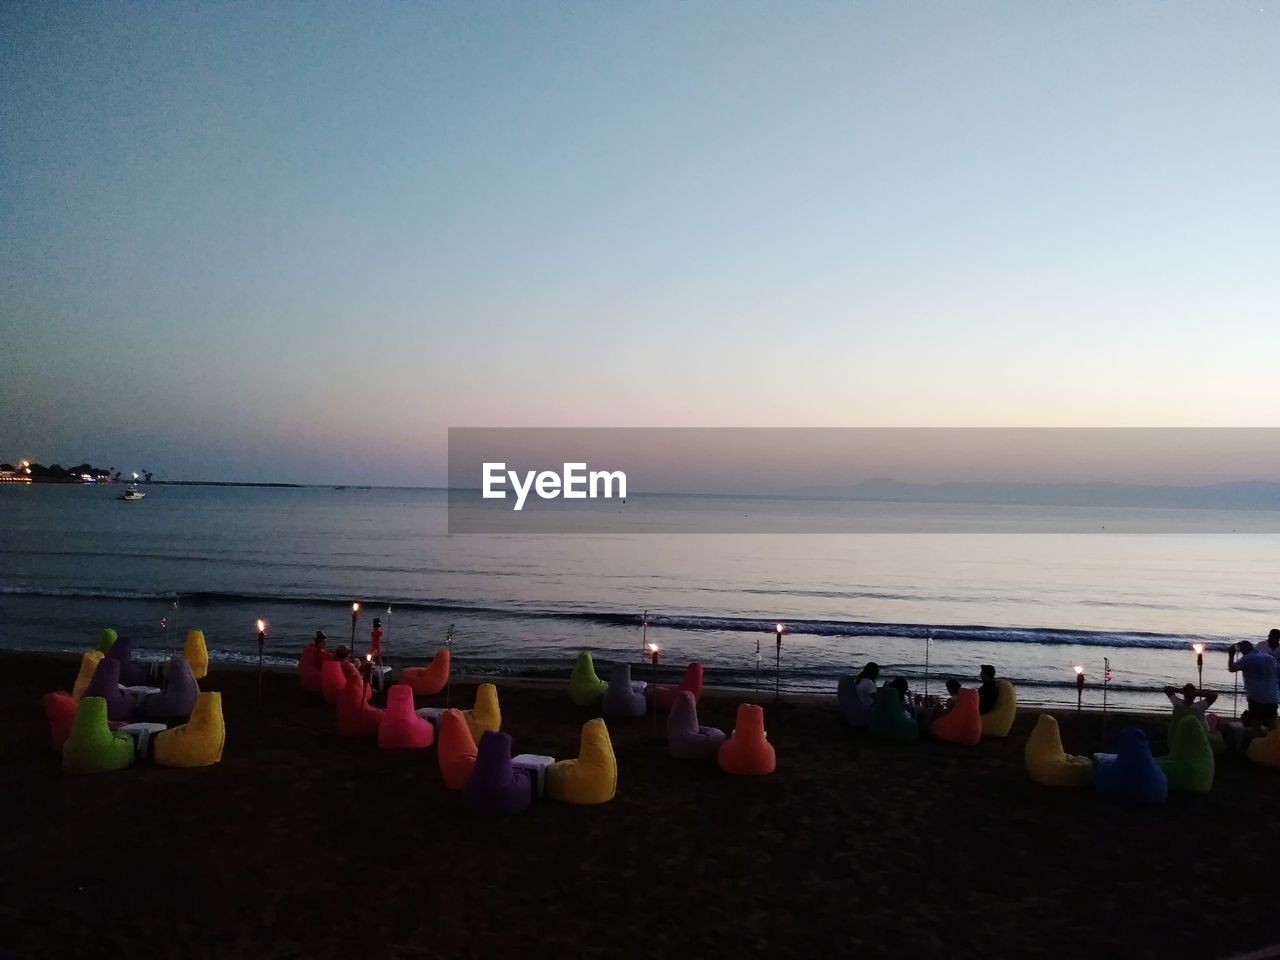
(961, 724)
(60, 708)
(456, 749)
(356, 716)
(431, 679)
(747, 753)
(310, 665)
(401, 728)
(664, 697)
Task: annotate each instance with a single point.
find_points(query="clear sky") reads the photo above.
(299, 241)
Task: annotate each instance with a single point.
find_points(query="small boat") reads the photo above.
(133, 493)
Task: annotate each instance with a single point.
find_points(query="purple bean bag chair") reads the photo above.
(494, 789)
(106, 684)
(622, 698)
(851, 707)
(177, 699)
(133, 673)
(685, 738)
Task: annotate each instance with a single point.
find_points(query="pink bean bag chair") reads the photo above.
(333, 679)
(60, 708)
(310, 668)
(356, 716)
(962, 724)
(747, 753)
(664, 697)
(401, 728)
(456, 749)
(429, 680)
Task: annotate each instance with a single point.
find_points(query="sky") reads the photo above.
(297, 242)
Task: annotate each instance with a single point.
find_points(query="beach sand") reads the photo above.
(301, 843)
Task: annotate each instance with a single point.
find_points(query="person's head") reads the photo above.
(1273, 638)
(342, 653)
(1189, 692)
(987, 673)
(870, 672)
(900, 684)
(1244, 646)
(320, 639)
(953, 686)
(377, 623)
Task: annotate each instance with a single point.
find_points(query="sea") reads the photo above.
(1124, 605)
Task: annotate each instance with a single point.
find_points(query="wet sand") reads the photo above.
(301, 843)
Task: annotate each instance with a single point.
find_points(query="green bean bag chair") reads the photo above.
(92, 747)
(1215, 737)
(1189, 765)
(106, 640)
(888, 720)
(585, 688)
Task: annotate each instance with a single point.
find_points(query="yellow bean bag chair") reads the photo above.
(1266, 750)
(88, 663)
(593, 777)
(1048, 764)
(199, 741)
(485, 715)
(999, 721)
(197, 653)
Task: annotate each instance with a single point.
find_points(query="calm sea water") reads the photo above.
(75, 560)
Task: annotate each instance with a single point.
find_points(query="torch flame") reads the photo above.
(779, 627)
(1079, 670)
(355, 608)
(262, 626)
(653, 648)
(1198, 647)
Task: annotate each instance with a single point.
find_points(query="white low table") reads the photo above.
(536, 765)
(140, 693)
(141, 733)
(430, 713)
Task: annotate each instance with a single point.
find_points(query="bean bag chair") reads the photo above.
(357, 717)
(1216, 743)
(455, 749)
(623, 698)
(60, 708)
(133, 673)
(485, 715)
(309, 667)
(197, 653)
(999, 721)
(401, 728)
(593, 776)
(961, 724)
(88, 664)
(585, 688)
(106, 684)
(178, 696)
(91, 747)
(429, 680)
(333, 678)
(889, 721)
(199, 741)
(1189, 763)
(854, 711)
(665, 697)
(494, 789)
(686, 738)
(1132, 774)
(105, 640)
(1048, 764)
(1265, 750)
(747, 752)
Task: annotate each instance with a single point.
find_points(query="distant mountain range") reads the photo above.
(1247, 495)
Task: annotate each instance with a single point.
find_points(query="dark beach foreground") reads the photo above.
(301, 843)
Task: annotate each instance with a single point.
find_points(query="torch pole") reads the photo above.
(928, 642)
(777, 663)
(448, 683)
(644, 635)
(1106, 679)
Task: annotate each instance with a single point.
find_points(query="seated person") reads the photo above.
(865, 684)
(904, 693)
(989, 690)
(1189, 700)
(953, 687)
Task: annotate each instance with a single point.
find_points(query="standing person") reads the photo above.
(1260, 687)
(866, 683)
(375, 640)
(989, 691)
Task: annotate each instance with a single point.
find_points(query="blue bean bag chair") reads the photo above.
(855, 713)
(622, 698)
(177, 698)
(1132, 775)
(889, 721)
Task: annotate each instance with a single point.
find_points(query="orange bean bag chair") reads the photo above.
(747, 752)
(456, 749)
(356, 716)
(429, 680)
(664, 697)
(962, 724)
(401, 728)
(60, 708)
